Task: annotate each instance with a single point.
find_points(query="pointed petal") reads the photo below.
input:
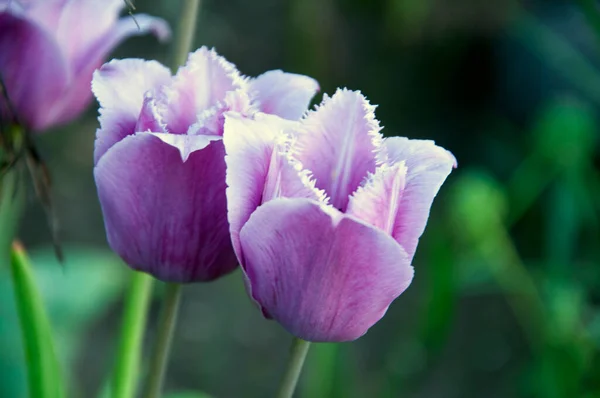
(24, 47)
(321, 275)
(187, 144)
(284, 94)
(427, 167)
(339, 145)
(164, 216)
(378, 201)
(249, 146)
(78, 94)
(198, 86)
(119, 86)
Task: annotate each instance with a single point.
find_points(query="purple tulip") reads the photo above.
(159, 155)
(49, 50)
(325, 214)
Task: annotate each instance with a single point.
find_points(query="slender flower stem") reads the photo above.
(294, 368)
(125, 380)
(167, 321)
(185, 31)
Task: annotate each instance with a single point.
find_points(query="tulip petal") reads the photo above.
(197, 87)
(75, 16)
(164, 216)
(339, 145)
(23, 48)
(79, 95)
(284, 94)
(322, 275)
(378, 201)
(427, 167)
(255, 170)
(119, 86)
(187, 144)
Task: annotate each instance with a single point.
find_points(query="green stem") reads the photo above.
(168, 319)
(124, 384)
(185, 31)
(43, 367)
(294, 368)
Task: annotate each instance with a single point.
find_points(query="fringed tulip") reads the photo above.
(49, 50)
(325, 214)
(159, 158)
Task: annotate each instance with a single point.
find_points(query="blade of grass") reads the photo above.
(43, 366)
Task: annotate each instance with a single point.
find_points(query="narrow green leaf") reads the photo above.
(45, 380)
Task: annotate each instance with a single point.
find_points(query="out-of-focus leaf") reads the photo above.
(43, 371)
(565, 134)
(75, 296)
(92, 279)
(320, 370)
(478, 205)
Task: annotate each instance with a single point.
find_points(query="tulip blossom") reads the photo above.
(159, 157)
(49, 50)
(325, 214)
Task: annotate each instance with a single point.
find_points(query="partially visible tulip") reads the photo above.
(159, 158)
(49, 50)
(325, 214)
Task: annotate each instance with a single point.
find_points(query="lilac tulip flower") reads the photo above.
(49, 50)
(159, 157)
(325, 214)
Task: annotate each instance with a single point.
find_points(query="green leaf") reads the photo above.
(45, 380)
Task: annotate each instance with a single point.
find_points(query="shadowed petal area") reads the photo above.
(119, 87)
(164, 216)
(24, 47)
(198, 86)
(284, 94)
(323, 276)
(378, 201)
(427, 166)
(249, 146)
(339, 145)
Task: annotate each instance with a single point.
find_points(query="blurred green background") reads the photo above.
(506, 296)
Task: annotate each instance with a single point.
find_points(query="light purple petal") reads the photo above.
(249, 146)
(81, 25)
(284, 94)
(45, 13)
(31, 70)
(78, 95)
(119, 86)
(339, 145)
(187, 144)
(164, 216)
(95, 52)
(198, 86)
(323, 276)
(427, 167)
(378, 202)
